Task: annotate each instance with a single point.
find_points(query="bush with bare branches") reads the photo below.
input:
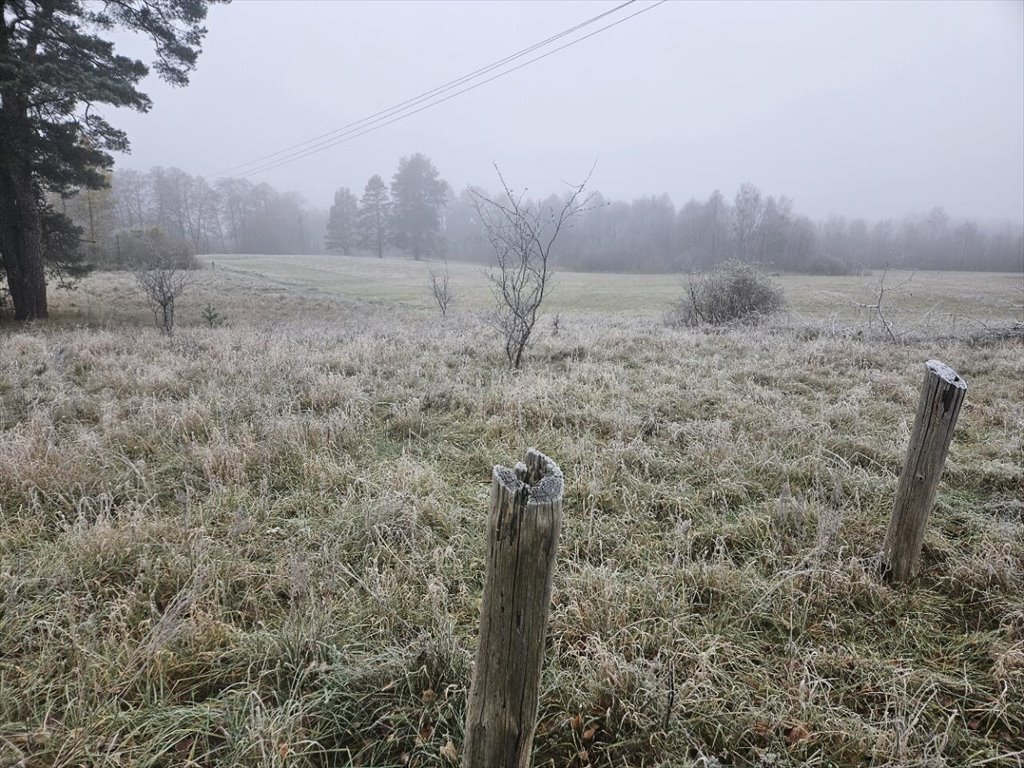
(522, 234)
(441, 289)
(732, 293)
(161, 269)
(878, 308)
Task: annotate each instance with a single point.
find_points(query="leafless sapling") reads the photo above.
(441, 289)
(161, 271)
(522, 235)
(879, 308)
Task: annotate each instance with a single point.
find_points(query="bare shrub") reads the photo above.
(732, 293)
(161, 269)
(522, 234)
(441, 289)
(879, 308)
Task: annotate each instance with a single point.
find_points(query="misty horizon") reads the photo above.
(862, 111)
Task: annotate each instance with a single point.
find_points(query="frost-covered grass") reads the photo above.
(944, 301)
(262, 545)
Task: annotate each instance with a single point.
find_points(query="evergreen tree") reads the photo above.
(418, 195)
(55, 68)
(341, 226)
(372, 220)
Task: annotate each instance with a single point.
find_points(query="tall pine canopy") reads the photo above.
(56, 67)
(372, 221)
(418, 194)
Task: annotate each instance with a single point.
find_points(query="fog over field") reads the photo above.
(865, 110)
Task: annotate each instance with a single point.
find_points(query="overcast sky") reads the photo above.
(861, 109)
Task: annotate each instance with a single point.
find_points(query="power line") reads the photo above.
(381, 122)
(350, 135)
(384, 113)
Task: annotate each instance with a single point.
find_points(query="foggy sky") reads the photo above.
(861, 109)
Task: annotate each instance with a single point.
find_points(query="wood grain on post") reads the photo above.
(522, 539)
(941, 397)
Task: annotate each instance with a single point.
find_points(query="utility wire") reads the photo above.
(356, 133)
(376, 124)
(384, 113)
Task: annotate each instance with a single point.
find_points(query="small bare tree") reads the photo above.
(441, 289)
(161, 271)
(879, 308)
(522, 234)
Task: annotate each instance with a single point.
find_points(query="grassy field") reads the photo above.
(262, 544)
(928, 298)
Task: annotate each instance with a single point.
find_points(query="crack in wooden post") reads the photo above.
(941, 397)
(523, 525)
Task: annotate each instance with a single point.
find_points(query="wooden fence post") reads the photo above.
(522, 539)
(941, 397)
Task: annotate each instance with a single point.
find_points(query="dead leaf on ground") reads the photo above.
(449, 752)
(797, 733)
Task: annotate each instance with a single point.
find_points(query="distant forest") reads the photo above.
(229, 216)
(651, 235)
(420, 215)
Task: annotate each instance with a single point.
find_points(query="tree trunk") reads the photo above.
(20, 239)
(21, 247)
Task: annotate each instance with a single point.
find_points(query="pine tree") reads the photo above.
(372, 221)
(341, 226)
(418, 195)
(55, 68)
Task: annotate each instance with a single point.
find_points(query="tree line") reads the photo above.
(418, 213)
(236, 215)
(228, 216)
(651, 235)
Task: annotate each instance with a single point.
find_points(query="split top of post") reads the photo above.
(946, 373)
(539, 478)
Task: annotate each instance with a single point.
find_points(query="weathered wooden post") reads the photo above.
(522, 539)
(941, 397)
